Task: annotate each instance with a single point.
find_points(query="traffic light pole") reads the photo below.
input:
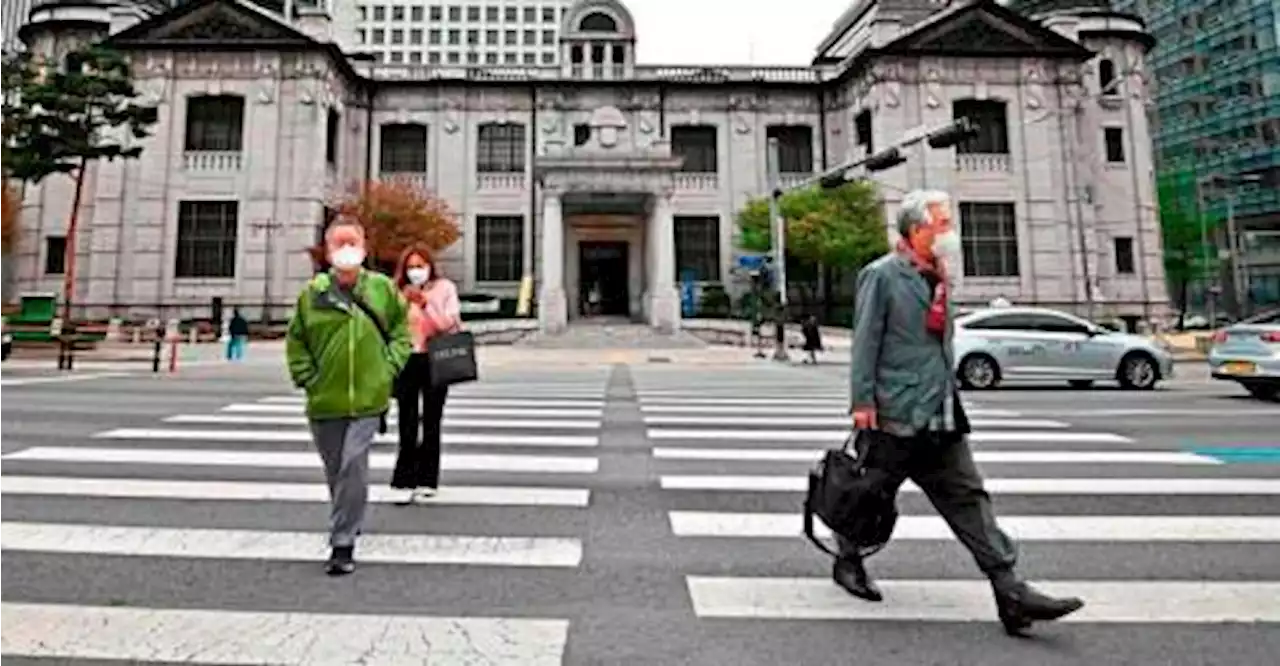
(779, 228)
(941, 137)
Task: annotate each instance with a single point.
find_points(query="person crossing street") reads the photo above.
(903, 386)
(347, 341)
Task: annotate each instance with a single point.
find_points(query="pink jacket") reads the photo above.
(442, 313)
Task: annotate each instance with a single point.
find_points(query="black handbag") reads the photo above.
(452, 359)
(857, 503)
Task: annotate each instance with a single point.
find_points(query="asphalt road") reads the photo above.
(622, 515)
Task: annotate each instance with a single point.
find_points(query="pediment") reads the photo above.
(212, 22)
(984, 28)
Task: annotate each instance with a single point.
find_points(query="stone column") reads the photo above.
(664, 298)
(553, 313)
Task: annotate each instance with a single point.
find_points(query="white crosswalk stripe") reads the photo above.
(518, 447)
(724, 449)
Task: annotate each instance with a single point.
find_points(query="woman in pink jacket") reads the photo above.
(433, 310)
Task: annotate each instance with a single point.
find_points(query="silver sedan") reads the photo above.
(1248, 352)
(1037, 344)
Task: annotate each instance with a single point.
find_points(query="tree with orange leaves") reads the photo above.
(396, 214)
(9, 217)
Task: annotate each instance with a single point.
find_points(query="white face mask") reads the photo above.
(347, 257)
(946, 245)
(419, 275)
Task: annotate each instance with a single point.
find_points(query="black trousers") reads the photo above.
(419, 406)
(941, 464)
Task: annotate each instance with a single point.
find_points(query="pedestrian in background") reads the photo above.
(347, 341)
(237, 336)
(812, 338)
(903, 387)
(434, 310)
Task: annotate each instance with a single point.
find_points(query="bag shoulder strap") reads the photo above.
(368, 311)
(382, 331)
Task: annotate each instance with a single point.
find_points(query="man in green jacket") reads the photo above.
(347, 341)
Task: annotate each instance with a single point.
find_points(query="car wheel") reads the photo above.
(1081, 383)
(979, 371)
(1138, 371)
(1264, 391)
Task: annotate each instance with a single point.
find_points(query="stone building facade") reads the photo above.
(601, 174)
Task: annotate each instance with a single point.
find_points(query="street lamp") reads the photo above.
(946, 136)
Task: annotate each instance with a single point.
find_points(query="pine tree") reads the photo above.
(60, 118)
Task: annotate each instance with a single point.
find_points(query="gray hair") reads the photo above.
(914, 209)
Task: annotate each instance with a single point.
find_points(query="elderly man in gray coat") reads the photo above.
(903, 385)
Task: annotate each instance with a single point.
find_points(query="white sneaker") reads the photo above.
(423, 494)
(406, 497)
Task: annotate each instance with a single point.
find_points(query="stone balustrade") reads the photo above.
(982, 162)
(212, 160)
(500, 181)
(702, 182)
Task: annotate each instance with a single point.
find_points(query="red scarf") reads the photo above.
(935, 320)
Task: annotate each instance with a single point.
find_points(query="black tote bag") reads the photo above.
(452, 359)
(854, 501)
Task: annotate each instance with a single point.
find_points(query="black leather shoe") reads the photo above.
(852, 576)
(341, 561)
(1020, 605)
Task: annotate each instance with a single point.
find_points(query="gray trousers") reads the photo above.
(344, 447)
(942, 465)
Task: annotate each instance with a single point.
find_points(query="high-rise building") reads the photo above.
(479, 32)
(1216, 127)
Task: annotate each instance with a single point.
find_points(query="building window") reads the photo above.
(795, 147)
(1114, 137)
(581, 134)
(473, 14)
(207, 239)
(403, 148)
(1123, 249)
(499, 248)
(862, 133)
(331, 136)
(215, 122)
(55, 255)
(993, 130)
(500, 148)
(1106, 76)
(598, 22)
(698, 248)
(415, 14)
(697, 145)
(989, 238)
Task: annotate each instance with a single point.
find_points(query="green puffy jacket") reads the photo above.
(336, 353)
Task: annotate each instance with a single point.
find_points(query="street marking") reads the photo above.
(1014, 486)
(796, 410)
(271, 545)
(30, 381)
(811, 402)
(1029, 457)
(1241, 454)
(449, 411)
(1127, 601)
(826, 421)
(299, 459)
(282, 638)
(280, 492)
(1217, 529)
(837, 436)
(290, 420)
(254, 436)
(597, 403)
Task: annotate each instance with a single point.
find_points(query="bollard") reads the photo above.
(195, 335)
(173, 354)
(155, 357)
(114, 331)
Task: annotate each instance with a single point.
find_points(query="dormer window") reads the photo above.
(598, 22)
